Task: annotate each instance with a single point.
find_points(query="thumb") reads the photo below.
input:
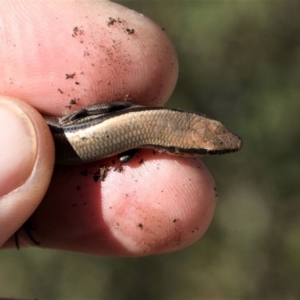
(26, 160)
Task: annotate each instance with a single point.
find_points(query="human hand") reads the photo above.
(160, 205)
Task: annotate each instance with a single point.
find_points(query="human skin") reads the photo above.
(158, 203)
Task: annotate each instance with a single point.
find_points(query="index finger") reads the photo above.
(78, 55)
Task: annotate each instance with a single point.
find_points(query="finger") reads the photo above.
(26, 159)
(152, 206)
(96, 52)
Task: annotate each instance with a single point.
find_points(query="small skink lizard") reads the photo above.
(103, 130)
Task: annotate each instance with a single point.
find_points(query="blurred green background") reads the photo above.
(239, 63)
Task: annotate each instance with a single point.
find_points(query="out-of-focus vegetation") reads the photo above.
(240, 63)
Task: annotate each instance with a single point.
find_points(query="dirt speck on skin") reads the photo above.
(70, 75)
(129, 31)
(119, 168)
(111, 21)
(96, 176)
(73, 101)
(60, 91)
(103, 172)
(195, 229)
(100, 174)
(77, 31)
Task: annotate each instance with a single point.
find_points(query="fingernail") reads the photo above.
(17, 147)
